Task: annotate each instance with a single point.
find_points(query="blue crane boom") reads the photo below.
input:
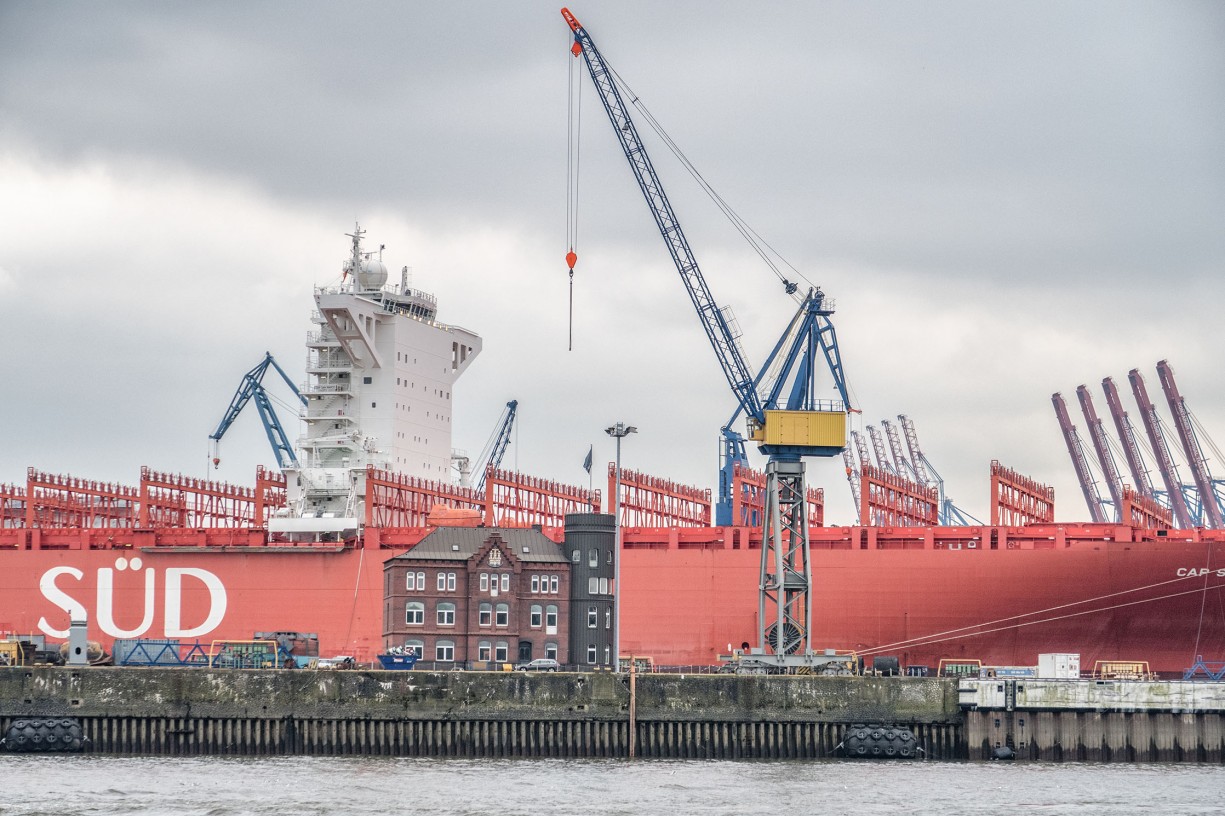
(252, 388)
(500, 444)
(809, 331)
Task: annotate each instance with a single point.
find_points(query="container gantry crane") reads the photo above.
(1210, 504)
(252, 388)
(1076, 449)
(785, 426)
(1161, 451)
(1101, 447)
(1127, 434)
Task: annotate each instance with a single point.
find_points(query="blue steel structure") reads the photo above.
(500, 444)
(785, 579)
(252, 388)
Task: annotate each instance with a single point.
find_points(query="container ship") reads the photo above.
(303, 550)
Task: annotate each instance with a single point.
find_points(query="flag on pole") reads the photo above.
(587, 461)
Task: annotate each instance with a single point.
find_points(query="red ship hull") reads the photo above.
(689, 594)
(1105, 600)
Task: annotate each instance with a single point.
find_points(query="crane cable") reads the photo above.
(764, 250)
(573, 125)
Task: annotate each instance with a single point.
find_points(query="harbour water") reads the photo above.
(300, 786)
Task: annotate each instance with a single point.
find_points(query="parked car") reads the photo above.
(539, 664)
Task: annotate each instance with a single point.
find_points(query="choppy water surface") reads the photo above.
(213, 786)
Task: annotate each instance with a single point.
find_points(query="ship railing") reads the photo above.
(307, 388)
(322, 337)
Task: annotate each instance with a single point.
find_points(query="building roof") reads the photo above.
(461, 543)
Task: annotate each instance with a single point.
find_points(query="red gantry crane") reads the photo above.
(1076, 449)
(1101, 446)
(1161, 451)
(1196, 460)
(1127, 434)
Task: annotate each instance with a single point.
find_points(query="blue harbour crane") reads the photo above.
(784, 416)
(252, 388)
(497, 448)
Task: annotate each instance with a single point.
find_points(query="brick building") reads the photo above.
(471, 596)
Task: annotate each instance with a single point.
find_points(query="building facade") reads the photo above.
(590, 542)
(474, 597)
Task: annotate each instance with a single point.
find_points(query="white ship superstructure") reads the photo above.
(380, 371)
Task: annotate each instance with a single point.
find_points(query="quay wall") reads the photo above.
(497, 714)
(191, 711)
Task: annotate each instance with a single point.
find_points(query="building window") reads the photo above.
(553, 584)
(502, 651)
(535, 583)
(607, 655)
(414, 613)
(575, 556)
(593, 585)
(593, 617)
(506, 582)
(421, 581)
(609, 559)
(417, 647)
(537, 615)
(445, 650)
(410, 581)
(484, 582)
(608, 618)
(486, 615)
(450, 581)
(446, 614)
(550, 650)
(593, 558)
(591, 655)
(502, 615)
(484, 651)
(442, 581)
(603, 586)
(550, 618)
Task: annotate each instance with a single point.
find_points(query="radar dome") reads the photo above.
(371, 274)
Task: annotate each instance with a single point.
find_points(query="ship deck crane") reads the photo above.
(785, 427)
(252, 388)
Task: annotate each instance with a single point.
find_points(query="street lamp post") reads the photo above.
(618, 432)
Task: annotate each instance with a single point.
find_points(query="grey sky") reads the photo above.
(1004, 200)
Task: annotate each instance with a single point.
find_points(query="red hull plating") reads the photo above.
(920, 594)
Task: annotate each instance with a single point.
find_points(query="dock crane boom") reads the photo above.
(252, 388)
(1191, 447)
(500, 444)
(1101, 447)
(785, 426)
(1127, 433)
(1161, 451)
(1076, 449)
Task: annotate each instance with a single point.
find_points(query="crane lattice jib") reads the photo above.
(250, 388)
(912, 444)
(713, 321)
(499, 447)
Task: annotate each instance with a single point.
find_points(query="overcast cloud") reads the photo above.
(1004, 200)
